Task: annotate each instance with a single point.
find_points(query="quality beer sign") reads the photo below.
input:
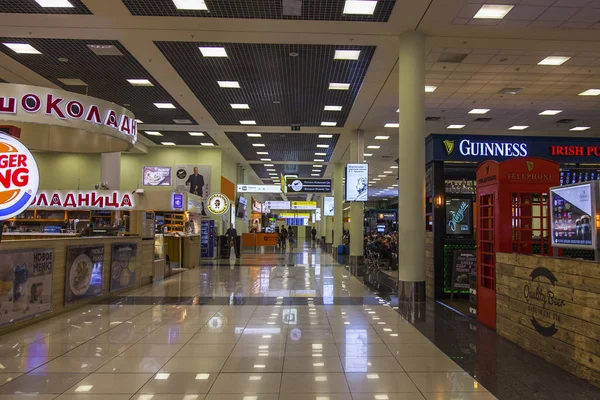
(19, 177)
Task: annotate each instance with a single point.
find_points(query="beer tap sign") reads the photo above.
(19, 177)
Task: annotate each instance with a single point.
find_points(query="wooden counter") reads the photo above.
(551, 307)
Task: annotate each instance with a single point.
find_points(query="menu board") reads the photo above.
(572, 208)
(25, 284)
(83, 277)
(122, 266)
(463, 265)
(156, 176)
(459, 216)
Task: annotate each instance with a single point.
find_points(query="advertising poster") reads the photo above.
(194, 179)
(458, 216)
(85, 266)
(328, 207)
(571, 215)
(463, 265)
(156, 176)
(25, 284)
(357, 182)
(122, 266)
(241, 208)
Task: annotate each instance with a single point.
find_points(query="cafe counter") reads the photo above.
(550, 306)
(44, 277)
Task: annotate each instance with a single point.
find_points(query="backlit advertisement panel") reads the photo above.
(572, 211)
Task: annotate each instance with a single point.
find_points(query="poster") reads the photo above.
(571, 215)
(122, 266)
(156, 176)
(83, 273)
(328, 207)
(458, 216)
(463, 265)
(25, 284)
(194, 179)
(357, 182)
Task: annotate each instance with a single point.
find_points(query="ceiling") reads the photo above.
(281, 52)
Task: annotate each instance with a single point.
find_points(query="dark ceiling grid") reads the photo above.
(312, 10)
(179, 138)
(105, 75)
(290, 147)
(31, 7)
(303, 171)
(281, 90)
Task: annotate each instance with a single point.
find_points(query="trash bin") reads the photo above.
(341, 249)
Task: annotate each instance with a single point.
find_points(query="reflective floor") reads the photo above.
(290, 326)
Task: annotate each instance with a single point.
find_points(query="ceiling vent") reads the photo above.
(565, 121)
(511, 90)
(455, 58)
(432, 118)
(72, 82)
(292, 8)
(104, 50)
(482, 119)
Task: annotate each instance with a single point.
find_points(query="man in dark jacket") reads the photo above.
(231, 239)
(196, 183)
(314, 234)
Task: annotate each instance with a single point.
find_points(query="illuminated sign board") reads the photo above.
(83, 200)
(303, 205)
(259, 189)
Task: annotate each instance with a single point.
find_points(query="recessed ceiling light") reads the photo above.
(392, 125)
(271, 170)
(550, 112)
(265, 159)
(394, 167)
(518, 127)
(140, 82)
(72, 82)
(554, 60)
(316, 170)
(381, 176)
(376, 179)
(213, 51)
(104, 49)
(318, 160)
(196, 133)
(455, 126)
(479, 111)
(325, 136)
(229, 84)
(167, 143)
(248, 122)
(381, 137)
(190, 5)
(262, 153)
(590, 92)
(240, 106)
(580, 128)
(373, 147)
(253, 135)
(328, 123)
(207, 144)
(182, 121)
(493, 11)
(164, 105)
(346, 55)
(367, 155)
(428, 89)
(321, 154)
(360, 7)
(323, 146)
(315, 174)
(317, 166)
(269, 165)
(153, 133)
(22, 48)
(339, 86)
(387, 172)
(258, 144)
(55, 3)
(333, 108)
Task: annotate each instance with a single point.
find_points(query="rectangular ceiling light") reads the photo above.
(140, 82)
(428, 89)
(271, 170)
(269, 165)
(554, 60)
(333, 108)
(207, 144)
(213, 51)
(229, 84)
(262, 153)
(328, 123)
(258, 144)
(153, 133)
(317, 166)
(373, 147)
(394, 167)
(318, 160)
(392, 125)
(167, 143)
(381, 137)
(248, 122)
(346, 55)
(323, 146)
(387, 172)
(253, 135)
(240, 106)
(72, 82)
(479, 111)
(360, 7)
(320, 154)
(339, 86)
(55, 3)
(590, 92)
(325, 136)
(104, 49)
(550, 112)
(22, 48)
(316, 170)
(190, 5)
(518, 127)
(182, 121)
(455, 126)
(580, 128)
(315, 174)
(493, 11)
(265, 159)
(164, 105)
(196, 133)
(367, 154)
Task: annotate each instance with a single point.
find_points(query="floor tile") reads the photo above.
(210, 338)
(380, 382)
(247, 383)
(460, 396)
(371, 364)
(428, 364)
(42, 383)
(314, 383)
(27, 397)
(8, 377)
(199, 350)
(73, 364)
(134, 365)
(21, 364)
(98, 383)
(97, 350)
(253, 396)
(312, 364)
(94, 397)
(253, 364)
(195, 396)
(434, 382)
(195, 364)
(389, 396)
(316, 396)
(415, 350)
(152, 350)
(353, 350)
(179, 383)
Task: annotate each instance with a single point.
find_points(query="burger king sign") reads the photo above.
(19, 177)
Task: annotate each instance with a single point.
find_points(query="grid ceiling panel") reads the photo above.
(312, 10)
(32, 7)
(283, 147)
(303, 171)
(179, 138)
(105, 75)
(281, 90)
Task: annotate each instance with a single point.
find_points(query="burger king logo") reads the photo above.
(19, 177)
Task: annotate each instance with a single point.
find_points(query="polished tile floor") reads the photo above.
(294, 326)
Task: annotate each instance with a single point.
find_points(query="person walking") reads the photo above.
(291, 237)
(313, 232)
(231, 239)
(283, 237)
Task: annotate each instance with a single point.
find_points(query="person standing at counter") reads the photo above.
(196, 183)
(231, 238)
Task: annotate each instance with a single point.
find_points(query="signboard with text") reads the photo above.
(303, 205)
(305, 185)
(258, 188)
(572, 211)
(328, 206)
(276, 205)
(83, 200)
(357, 182)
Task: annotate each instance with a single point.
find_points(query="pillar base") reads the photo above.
(411, 292)
(356, 261)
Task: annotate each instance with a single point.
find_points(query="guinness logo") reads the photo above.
(529, 166)
(449, 145)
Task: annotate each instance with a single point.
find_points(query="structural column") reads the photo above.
(110, 170)
(411, 167)
(338, 206)
(357, 215)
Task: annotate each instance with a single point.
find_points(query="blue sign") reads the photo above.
(178, 201)
(481, 148)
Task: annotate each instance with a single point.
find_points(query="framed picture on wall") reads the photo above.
(156, 176)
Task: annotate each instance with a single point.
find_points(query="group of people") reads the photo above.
(386, 245)
(286, 235)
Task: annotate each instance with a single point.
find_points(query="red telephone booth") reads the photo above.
(513, 217)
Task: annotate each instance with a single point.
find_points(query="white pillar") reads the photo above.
(110, 170)
(357, 151)
(411, 154)
(338, 206)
